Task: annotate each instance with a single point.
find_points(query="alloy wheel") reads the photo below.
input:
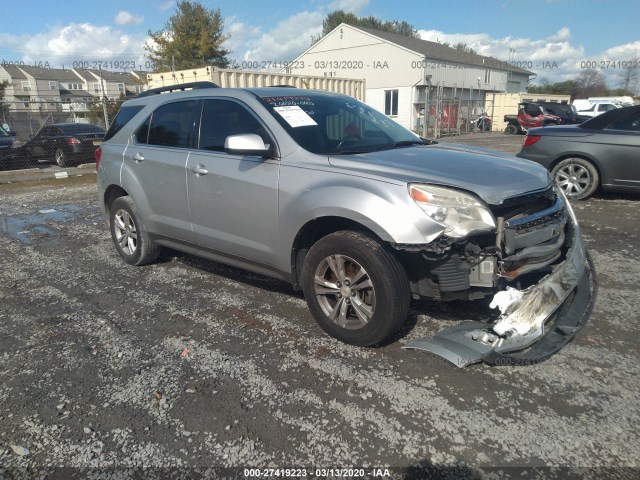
(125, 231)
(573, 179)
(344, 291)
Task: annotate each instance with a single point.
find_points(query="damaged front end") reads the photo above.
(538, 272)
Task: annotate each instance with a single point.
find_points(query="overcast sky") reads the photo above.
(561, 35)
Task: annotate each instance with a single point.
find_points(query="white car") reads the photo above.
(597, 108)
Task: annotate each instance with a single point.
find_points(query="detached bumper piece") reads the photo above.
(535, 323)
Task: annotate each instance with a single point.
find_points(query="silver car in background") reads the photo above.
(326, 193)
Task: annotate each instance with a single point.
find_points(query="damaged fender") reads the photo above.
(519, 335)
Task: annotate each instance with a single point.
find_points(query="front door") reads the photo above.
(233, 199)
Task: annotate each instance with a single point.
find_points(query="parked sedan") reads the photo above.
(65, 143)
(603, 152)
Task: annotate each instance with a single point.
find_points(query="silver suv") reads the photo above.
(326, 193)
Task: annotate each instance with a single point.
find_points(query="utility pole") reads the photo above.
(104, 99)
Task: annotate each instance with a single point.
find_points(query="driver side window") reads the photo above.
(223, 118)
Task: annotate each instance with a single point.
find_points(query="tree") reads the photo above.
(95, 112)
(592, 83)
(3, 87)
(4, 108)
(191, 38)
(568, 87)
(460, 46)
(335, 18)
(629, 76)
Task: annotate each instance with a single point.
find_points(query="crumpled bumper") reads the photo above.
(535, 323)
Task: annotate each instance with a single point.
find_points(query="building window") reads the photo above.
(391, 102)
(121, 87)
(26, 86)
(53, 85)
(74, 86)
(97, 88)
(487, 77)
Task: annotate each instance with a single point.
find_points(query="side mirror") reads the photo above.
(247, 144)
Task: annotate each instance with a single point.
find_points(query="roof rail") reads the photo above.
(181, 86)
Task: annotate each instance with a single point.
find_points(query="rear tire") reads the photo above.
(130, 235)
(356, 290)
(60, 158)
(577, 178)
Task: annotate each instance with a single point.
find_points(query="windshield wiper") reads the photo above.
(405, 143)
(349, 151)
(388, 146)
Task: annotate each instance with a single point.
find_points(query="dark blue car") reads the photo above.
(7, 150)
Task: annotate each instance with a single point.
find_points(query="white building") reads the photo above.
(403, 73)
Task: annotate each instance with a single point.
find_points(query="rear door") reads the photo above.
(40, 144)
(157, 161)
(619, 145)
(233, 199)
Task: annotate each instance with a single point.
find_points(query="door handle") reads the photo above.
(138, 158)
(199, 170)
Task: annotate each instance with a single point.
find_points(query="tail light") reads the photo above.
(98, 156)
(73, 141)
(530, 140)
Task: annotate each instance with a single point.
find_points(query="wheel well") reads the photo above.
(112, 193)
(582, 157)
(313, 231)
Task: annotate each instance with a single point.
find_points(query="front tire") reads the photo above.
(130, 235)
(511, 129)
(356, 290)
(577, 178)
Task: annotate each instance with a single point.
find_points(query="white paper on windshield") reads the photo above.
(295, 116)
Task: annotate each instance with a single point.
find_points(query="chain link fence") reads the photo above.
(22, 122)
(24, 142)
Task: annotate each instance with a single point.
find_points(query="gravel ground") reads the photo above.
(187, 365)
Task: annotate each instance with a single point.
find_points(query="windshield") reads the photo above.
(3, 133)
(333, 124)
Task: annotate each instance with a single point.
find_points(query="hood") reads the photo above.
(492, 176)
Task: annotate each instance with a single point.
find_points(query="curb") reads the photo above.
(29, 174)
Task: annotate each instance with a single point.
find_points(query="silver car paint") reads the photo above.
(247, 211)
(370, 189)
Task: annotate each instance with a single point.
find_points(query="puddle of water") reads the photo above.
(24, 228)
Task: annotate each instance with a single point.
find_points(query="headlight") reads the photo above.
(458, 212)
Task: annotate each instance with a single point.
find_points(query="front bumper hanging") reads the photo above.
(521, 335)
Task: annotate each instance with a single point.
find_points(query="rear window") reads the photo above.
(122, 118)
(80, 128)
(170, 125)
